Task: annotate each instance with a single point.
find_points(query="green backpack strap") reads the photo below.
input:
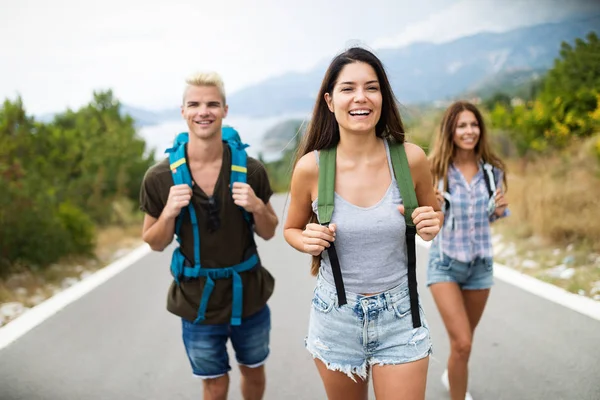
(404, 180)
(325, 210)
(326, 184)
(409, 198)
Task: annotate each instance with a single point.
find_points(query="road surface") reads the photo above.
(118, 342)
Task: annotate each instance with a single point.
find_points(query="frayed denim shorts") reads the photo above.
(475, 275)
(368, 330)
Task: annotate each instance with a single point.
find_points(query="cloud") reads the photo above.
(467, 17)
(55, 54)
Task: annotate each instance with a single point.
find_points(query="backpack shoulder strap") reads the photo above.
(182, 175)
(178, 163)
(445, 194)
(409, 198)
(404, 180)
(326, 184)
(440, 185)
(325, 203)
(239, 168)
(490, 179)
(239, 162)
(239, 157)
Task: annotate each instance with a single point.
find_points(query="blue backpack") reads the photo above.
(181, 268)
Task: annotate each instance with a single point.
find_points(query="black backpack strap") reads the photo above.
(490, 179)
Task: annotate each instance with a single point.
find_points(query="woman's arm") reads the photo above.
(307, 238)
(428, 217)
(501, 201)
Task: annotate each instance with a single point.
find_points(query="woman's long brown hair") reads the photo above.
(443, 149)
(323, 131)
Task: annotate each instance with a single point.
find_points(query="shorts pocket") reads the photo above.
(443, 263)
(489, 264)
(322, 303)
(402, 306)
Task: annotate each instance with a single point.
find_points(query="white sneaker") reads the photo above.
(446, 384)
(445, 380)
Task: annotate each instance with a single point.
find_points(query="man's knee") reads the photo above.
(254, 376)
(216, 388)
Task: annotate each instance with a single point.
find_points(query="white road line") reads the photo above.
(31, 318)
(581, 304)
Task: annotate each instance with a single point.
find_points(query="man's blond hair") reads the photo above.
(205, 79)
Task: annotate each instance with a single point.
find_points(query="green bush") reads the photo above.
(30, 231)
(567, 108)
(79, 228)
(60, 179)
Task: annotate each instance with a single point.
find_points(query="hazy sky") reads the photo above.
(55, 53)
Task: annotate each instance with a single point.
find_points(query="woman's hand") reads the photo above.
(317, 238)
(426, 220)
(440, 197)
(501, 203)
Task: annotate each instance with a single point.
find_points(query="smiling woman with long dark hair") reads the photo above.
(365, 317)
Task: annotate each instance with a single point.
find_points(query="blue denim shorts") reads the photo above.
(368, 330)
(206, 345)
(475, 275)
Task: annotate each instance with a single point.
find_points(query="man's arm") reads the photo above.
(265, 221)
(158, 232)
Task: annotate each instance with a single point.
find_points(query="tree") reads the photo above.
(566, 107)
(60, 179)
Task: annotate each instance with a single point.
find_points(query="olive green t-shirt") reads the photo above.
(225, 247)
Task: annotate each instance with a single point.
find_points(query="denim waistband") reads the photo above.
(435, 252)
(379, 300)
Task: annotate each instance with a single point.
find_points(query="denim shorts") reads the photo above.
(368, 330)
(475, 275)
(206, 345)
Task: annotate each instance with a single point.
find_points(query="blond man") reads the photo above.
(226, 239)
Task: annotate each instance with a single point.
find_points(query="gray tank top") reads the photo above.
(370, 242)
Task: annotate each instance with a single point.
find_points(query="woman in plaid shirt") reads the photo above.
(460, 270)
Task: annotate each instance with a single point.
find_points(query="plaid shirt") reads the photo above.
(466, 233)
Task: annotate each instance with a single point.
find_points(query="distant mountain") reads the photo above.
(142, 117)
(517, 83)
(282, 135)
(480, 64)
(147, 118)
(425, 72)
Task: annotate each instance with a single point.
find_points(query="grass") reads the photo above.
(574, 267)
(555, 206)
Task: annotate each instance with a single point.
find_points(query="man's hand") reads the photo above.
(244, 196)
(179, 197)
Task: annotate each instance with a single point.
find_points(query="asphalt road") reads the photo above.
(119, 342)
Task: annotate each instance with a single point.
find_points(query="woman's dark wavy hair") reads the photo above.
(323, 131)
